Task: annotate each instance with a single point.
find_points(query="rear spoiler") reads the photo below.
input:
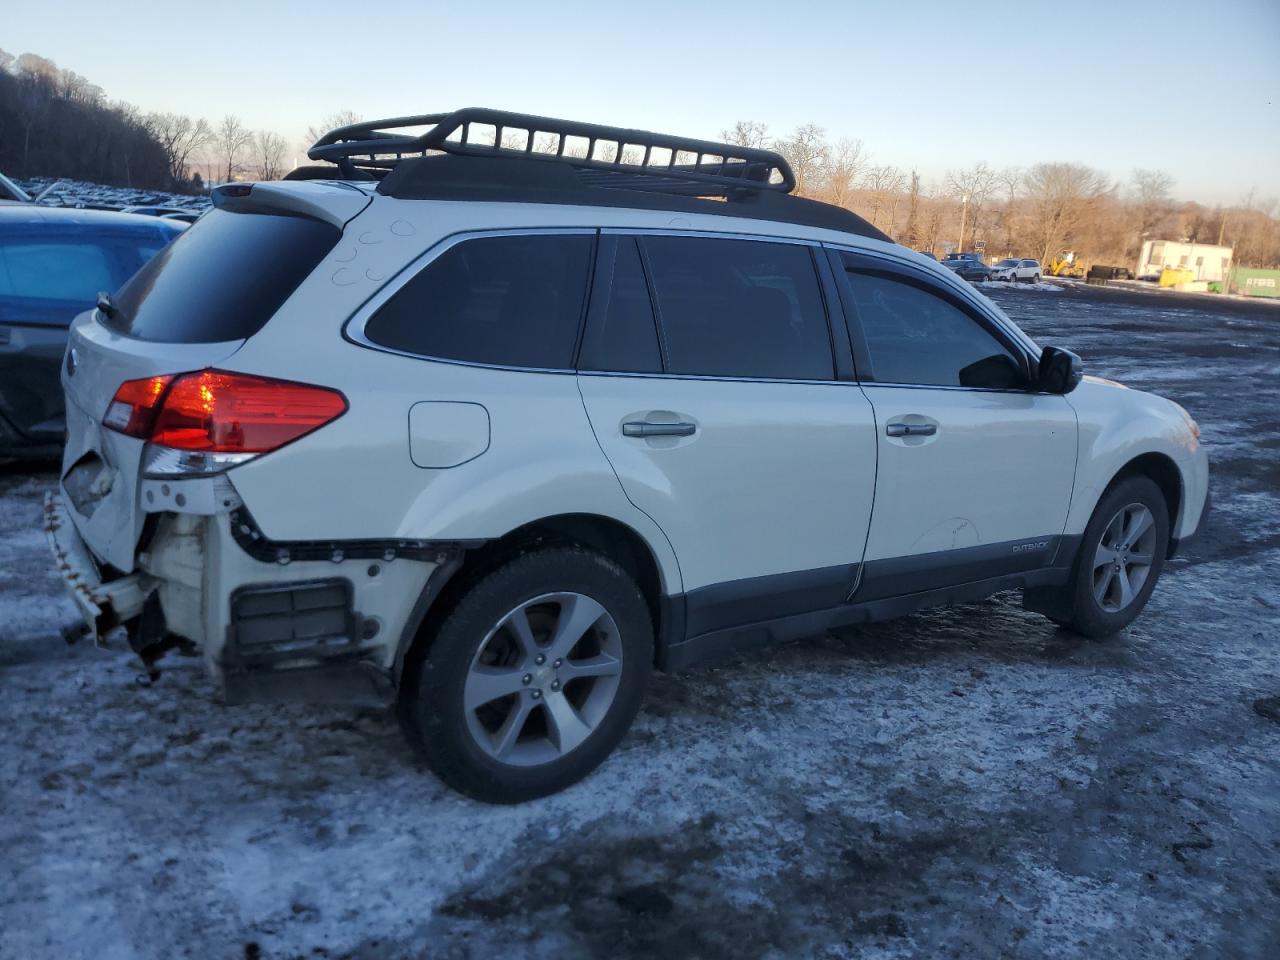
(334, 203)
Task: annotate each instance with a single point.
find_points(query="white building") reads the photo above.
(1206, 261)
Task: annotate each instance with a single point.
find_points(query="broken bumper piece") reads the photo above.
(102, 606)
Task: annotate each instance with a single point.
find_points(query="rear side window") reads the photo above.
(72, 272)
(740, 308)
(49, 272)
(509, 300)
(917, 337)
(222, 279)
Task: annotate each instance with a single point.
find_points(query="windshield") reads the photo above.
(1007, 263)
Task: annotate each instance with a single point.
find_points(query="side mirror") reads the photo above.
(1060, 370)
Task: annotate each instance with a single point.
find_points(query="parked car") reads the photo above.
(493, 436)
(53, 264)
(967, 269)
(1013, 270)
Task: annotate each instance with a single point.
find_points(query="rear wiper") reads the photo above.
(105, 305)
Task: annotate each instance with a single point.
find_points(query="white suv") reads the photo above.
(1012, 269)
(490, 432)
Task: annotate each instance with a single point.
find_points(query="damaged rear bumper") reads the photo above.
(102, 605)
(272, 621)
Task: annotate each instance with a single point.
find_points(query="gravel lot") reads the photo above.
(964, 782)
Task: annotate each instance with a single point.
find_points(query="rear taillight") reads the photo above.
(134, 406)
(205, 421)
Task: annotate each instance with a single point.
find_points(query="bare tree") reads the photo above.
(269, 147)
(911, 233)
(231, 140)
(343, 118)
(882, 183)
(806, 151)
(1009, 180)
(974, 186)
(843, 171)
(936, 206)
(747, 133)
(1153, 202)
(181, 136)
(1059, 195)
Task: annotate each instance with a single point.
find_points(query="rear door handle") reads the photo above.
(910, 429)
(642, 428)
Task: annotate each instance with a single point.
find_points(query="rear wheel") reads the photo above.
(1036, 278)
(533, 677)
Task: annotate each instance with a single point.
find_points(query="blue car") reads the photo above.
(53, 264)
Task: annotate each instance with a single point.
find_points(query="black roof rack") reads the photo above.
(529, 159)
(685, 166)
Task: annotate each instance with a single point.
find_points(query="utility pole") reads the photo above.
(964, 209)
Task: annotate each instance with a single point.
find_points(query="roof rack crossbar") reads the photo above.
(376, 145)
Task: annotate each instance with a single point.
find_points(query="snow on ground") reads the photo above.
(965, 782)
(1008, 285)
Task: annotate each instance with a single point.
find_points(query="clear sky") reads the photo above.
(1192, 88)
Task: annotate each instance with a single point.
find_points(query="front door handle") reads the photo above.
(910, 429)
(643, 428)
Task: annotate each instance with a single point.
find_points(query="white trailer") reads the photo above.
(1206, 261)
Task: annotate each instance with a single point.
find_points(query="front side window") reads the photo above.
(739, 308)
(915, 336)
(503, 300)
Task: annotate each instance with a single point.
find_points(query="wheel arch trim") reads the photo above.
(651, 561)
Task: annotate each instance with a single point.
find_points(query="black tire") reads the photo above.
(432, 709)
(1036, 278)
(1075, 605)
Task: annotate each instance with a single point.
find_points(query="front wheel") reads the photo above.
(1121, 556)
(534, 676)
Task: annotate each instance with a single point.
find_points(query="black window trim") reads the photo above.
(840, 374)
(874, 262)
(353, 328)
(601, 296)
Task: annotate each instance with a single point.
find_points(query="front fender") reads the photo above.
(1118, 425)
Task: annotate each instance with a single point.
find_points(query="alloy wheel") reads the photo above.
(1122, 562)
(543, 679)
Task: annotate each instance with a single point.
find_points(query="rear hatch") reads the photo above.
(188, 309)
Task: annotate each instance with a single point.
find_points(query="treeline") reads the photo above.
(1039, 211)
(54, 122)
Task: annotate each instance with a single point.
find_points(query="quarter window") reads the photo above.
(739, 308)
(915, 336)
(507, 300)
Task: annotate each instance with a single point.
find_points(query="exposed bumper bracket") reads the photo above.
(102, 606)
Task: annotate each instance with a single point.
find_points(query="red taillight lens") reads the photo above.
(217, 412)
(213, 411)
(134, 406)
